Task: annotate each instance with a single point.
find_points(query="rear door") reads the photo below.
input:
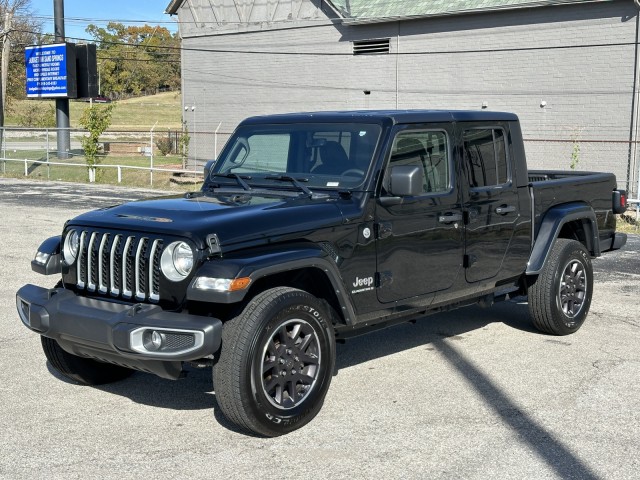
(420, 241)
(492, 207)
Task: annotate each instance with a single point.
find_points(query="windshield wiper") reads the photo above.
(296, 182)
(239, 178)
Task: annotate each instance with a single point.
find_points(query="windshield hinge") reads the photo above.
(214, 244)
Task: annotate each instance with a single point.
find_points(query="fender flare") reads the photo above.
(551, 226)
(262, 264)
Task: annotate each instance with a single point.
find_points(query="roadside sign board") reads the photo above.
(51, 71)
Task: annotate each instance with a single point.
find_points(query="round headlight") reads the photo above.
(71, 246)
(177, 261)
(183, 259)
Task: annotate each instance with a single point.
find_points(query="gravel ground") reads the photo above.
(474, 393)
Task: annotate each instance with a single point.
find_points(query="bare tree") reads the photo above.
(9, 10)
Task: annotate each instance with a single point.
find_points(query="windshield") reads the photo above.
(321, 155)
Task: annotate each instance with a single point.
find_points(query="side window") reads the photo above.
(485, 155)
(427, 149)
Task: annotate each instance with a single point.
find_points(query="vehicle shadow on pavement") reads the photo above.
(547, 446)
(441, 332)
(426, 330)
(194, 392)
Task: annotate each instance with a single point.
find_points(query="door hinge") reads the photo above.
(384, 279)
(469, 260)
(383, 230)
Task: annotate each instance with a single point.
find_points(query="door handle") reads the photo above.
(450, 218)
(504, 209)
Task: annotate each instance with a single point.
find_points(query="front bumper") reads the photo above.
(119, 333)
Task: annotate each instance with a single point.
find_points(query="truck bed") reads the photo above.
(550, 188)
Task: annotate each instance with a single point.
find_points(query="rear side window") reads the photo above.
(485, 155)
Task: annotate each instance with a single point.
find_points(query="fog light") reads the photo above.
(165, 342)
(156, 340)
(153, 340)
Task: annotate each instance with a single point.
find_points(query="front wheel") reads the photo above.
(560, 297)
(276, 362)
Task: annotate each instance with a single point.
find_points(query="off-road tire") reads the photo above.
(82, 370)
(276, 362)
(560, 297)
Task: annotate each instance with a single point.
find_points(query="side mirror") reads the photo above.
(207, 168)
(406, 180)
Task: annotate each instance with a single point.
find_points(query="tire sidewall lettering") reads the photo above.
(583, 258)
(274, 318)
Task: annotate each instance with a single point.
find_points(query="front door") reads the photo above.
(420, 241)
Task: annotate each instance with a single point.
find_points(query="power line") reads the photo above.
(349, 54)
(89, 20)
(149, 60)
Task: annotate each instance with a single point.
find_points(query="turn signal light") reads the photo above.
(239, 284)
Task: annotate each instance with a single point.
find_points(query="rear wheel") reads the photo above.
(82, 370)
(560, 298)
(276, 362)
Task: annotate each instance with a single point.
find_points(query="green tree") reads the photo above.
(96, 119)
(135, 60)
(183, 143)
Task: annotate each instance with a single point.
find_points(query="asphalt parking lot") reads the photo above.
(474, 393)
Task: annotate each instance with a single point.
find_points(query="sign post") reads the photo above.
(62, 104)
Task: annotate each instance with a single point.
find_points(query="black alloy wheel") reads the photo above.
(560, 296)
(290, 363)
(276, 362)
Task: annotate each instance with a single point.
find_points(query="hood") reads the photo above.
(234, 218)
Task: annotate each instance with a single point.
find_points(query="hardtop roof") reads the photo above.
(383, 116)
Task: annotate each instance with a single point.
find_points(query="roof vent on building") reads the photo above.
(371, 47)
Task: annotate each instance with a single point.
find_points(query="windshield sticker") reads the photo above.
(333, 184)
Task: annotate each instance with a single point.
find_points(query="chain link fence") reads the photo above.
(204, 146)
(168, 157)
(157, 157)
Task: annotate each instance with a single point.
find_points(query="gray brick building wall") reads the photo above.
(579, 59)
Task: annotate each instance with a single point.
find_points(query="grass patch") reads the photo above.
(143, 112)
(139, 113)
(626, 223)
(75, 170)
(135, 114)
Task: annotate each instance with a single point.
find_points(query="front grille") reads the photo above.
(122, 266)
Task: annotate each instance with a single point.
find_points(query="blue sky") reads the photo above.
(80, 13)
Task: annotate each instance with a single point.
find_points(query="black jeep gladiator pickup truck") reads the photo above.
(310, 228)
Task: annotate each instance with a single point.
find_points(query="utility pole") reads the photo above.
(62, 104)
(6, 46)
